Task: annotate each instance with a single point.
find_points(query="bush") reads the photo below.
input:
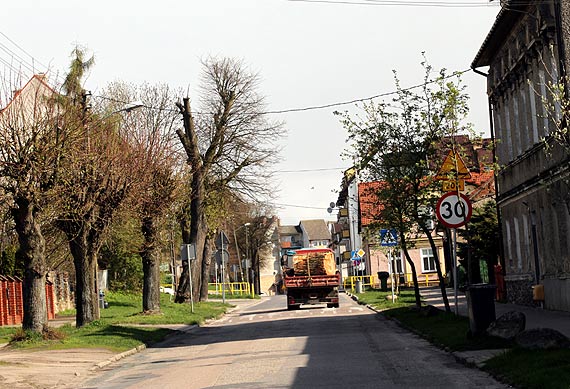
(27, 336)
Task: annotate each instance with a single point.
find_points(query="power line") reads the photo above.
(440, 4)
(311, 170)
(299, 206)
(338, 104)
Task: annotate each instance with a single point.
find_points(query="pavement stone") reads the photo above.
(47, 369)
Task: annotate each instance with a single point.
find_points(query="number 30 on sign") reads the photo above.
(453, 211)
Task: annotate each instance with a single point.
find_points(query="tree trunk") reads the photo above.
(206, 262)
(437, 267)
(151, 267)
(32, 253)
(198, 222)
(85, 261)
(414, 274)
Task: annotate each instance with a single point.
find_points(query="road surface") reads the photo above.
(266, 346)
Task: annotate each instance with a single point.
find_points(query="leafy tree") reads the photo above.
(394, 144)
(120, 254)
(484, 237)
(228, 145)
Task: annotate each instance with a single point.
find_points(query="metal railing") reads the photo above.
(241, 288)
(350, 281)
(405, 279)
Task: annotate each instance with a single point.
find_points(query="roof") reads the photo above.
(369, 208)
(509, 14)
(288, 230)
(37, 80)
(316, 229)
(484, 186)
(477, 154)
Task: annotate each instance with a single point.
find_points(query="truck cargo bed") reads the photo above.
(311, 281)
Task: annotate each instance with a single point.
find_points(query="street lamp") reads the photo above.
(246, 249)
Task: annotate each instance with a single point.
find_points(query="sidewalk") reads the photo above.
(535, 317)
(68, 368)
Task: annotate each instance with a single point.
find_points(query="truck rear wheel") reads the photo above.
(291, 307)
(333, 305)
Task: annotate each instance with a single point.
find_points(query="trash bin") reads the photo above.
(358, 286)
(102, 300)
(383, 277)
(481, 307)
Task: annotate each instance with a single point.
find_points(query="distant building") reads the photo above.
(526, 49)
(315, 233)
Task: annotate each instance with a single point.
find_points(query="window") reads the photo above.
(428, 262)
(397, 259)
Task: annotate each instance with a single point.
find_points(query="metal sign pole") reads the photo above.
(391, 259)
(454, 231)
(190, 278)
(223, 270)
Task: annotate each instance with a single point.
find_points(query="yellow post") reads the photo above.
(252, 291)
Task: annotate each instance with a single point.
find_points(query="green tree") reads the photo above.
(484, 238)
(93, 187)
(151, 132)
(394, 144)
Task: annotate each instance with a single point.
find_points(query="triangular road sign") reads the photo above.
(453, 165)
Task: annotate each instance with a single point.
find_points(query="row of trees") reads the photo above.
(70, 170)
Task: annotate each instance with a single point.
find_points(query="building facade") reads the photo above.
(526, 53)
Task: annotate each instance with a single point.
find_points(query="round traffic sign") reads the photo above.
(453, 211)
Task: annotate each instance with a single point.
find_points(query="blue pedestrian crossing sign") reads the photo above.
(388, 238)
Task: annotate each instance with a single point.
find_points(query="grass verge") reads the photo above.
(119, 327)
(533, 369)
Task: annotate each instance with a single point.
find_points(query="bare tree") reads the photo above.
(150, 131)
(93, 187)
(32, 146)
(228, 144)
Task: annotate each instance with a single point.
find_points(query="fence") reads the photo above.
(232, 288)
(12, 301)
(405, 279)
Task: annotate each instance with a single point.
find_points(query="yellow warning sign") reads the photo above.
(452, 185)
(453, 167)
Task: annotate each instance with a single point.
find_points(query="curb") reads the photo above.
(117, 357)
(186, 329)
(464, 360)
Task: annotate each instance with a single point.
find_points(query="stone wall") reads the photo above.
(63, 297)
(520, 292)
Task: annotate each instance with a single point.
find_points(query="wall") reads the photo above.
(378, 260)
(533, 182)
(11, 301)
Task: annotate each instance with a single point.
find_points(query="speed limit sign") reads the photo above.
(452, 210)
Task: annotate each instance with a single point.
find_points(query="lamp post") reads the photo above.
(129, 107)
(246, 250)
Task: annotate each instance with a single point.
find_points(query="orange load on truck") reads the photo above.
(311, 278)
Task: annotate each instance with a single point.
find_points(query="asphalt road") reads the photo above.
(266, 346)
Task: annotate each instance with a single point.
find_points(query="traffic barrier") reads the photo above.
(240, 288)
(405, 279)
